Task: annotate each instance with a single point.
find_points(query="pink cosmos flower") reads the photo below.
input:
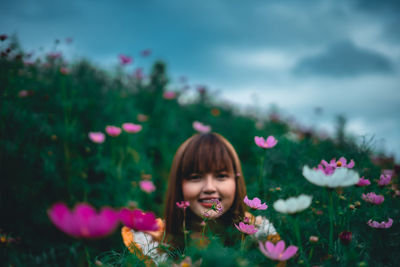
(246, 228)
(169, 95)
(131, 127)
(375, 224)
(97, 137)
(147, 186)
(384, 180)
(255, 203)
(139, 74)
(146, 52)
(388, 172)
(363, 182)
(277, 252)
(373, 198)
(183, 204)
(329, 168)
(83, 221)
(269, 143)
(113, 131)
(138, 220)
(200, 127)
(125, 60)
(23, 93)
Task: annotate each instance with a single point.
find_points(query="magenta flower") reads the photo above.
(384, 180)
(345, 237)
(138, 220)
(329, 168)
(147, 186)
(183, 204)
(131, 127)
(146, 52)
(169, 95)
(342, 162)
(246, 228)
(23, 93)
(255, 203)
(83, 221)
(277, 252)
(373, 198)
(269, 143)
(363, 182)
(200, 127)
(113, 131)
(125, 60)
(375, 224)
(97, 137)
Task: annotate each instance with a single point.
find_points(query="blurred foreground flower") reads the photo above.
(200, 127)
(293, 204)
(131, 127)
(138, 220)
(147, 186)
(125, 60)
(277, 252)
(363, 182)
(269, 143)
(183, 204)
(341, 177)
(255, 203)
(83, 221)
(375, 224)
(345, 237)
(169, 95)
(113, 131)
(384, 180)
(246, 228)
(373, 198)
(97, 137)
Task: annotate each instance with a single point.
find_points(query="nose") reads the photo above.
(209, 184)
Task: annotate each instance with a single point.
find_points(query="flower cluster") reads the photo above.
(114, 131)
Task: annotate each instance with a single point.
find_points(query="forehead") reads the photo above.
(206, 153)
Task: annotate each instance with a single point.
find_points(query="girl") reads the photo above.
(205, 170)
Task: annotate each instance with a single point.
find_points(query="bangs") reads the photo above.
(206, 153)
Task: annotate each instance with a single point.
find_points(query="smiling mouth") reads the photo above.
(210, 200)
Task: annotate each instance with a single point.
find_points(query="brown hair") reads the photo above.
(201, 153)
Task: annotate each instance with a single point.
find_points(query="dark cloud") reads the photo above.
(344, 59)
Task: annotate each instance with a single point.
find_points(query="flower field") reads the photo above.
(84, 151)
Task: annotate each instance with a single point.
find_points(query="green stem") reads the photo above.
(87, 256)
(184, 228)
(242, 243)
(260, 178)
(331, 219)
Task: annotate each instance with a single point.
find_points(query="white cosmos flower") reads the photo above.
(340, 178)
(293, 204)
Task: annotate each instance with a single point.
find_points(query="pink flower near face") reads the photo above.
(131, 127)
(83, 221)
(375, 224)
(97, 137)
(169, 95)
(147, 186)
(384, 180)
(113, 131)
(363, 182)
(183, 204)
(269, 143)
(138, 220)
(373, 198)
(125, 60)
(255, 203)
(277, 252)
(246, 228)
(200, 127)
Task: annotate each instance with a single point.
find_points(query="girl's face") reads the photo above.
(201, 189)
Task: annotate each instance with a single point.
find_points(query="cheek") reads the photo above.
(229, 191)
(189, 190)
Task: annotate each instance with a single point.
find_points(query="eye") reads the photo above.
(194, 177)
(222, 175)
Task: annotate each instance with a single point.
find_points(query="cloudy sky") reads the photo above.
(340, 55)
